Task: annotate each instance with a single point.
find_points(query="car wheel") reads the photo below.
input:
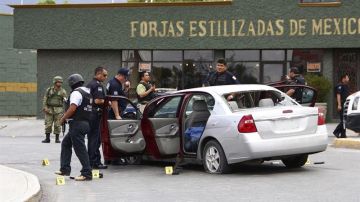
(295, 161)
(214, 159)
(133, 160)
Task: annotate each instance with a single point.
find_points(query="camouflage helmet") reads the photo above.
(57, 79)
(74, 79)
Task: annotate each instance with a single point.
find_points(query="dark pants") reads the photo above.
(340, 127)
(75, 138)
(94, 140)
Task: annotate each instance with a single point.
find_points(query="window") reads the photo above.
(252, 99)
(165, 108)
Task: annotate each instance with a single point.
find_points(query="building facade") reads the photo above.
(17, 74)
(180, 42)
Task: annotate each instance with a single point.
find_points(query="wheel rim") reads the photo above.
(212, 158)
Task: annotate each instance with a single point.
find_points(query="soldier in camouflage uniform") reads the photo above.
(53, 107)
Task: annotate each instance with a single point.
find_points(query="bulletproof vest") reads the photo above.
(218, 79)
(149, 97)
(83, 112)
(54, 98)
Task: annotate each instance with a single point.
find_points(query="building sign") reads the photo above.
(144, 67)
(245, 28)
(313, 67)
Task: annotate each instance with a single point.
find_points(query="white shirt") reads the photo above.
(76, 97)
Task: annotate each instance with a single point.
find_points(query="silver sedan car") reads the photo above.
(219, 126)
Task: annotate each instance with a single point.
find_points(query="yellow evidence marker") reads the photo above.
(169, 170)
(60, 180)
(45, 162)
(95, 174)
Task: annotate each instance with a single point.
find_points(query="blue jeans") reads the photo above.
(75, 138)
(94, 140)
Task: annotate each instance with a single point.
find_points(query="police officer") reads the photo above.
(53, 107)
(144, 90)
(295, 78)
(221, 76)
(117, 86)
(98, 93)
(342, 92)
(78, 113)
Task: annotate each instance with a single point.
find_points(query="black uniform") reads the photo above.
(114, 87)
(298, 80)
(78, 128)
(225, 78)
(150, 96)
(344, 92)
(94, 139)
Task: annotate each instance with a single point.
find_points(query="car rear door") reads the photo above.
(161, 127)
(125, 134)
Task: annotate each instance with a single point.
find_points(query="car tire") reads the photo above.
(295, 161)
(214, 159)
(133, 160)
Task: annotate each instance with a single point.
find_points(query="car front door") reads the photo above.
(160, 126)
(125, 134)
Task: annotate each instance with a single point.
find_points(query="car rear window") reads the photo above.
(258, 98)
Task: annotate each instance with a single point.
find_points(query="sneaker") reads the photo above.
(82, 178)
(62, 173)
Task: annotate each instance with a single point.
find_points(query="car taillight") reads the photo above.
(321, 118)
(247, 125)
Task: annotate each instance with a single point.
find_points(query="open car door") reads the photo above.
(125, 135)
(160, 126)
(304, 95)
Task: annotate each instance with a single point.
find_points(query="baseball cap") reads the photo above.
(123, 71)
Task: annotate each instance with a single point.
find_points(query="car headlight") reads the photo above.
(355, 103)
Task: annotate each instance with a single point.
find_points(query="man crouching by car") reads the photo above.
(78, 112)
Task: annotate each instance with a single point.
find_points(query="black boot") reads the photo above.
(47, 138)
(57, 140)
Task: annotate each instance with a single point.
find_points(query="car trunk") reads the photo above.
(278, 122)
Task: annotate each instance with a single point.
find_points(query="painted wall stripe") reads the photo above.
(18, 87)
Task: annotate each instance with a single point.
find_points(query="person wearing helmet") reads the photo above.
(53, 107)
(78, 113)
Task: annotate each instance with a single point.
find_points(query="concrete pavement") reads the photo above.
(17, 185)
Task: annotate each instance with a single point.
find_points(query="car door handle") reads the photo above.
(130, 127)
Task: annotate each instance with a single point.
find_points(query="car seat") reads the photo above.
(267, 102)
(199, 116)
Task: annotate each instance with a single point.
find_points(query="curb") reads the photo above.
(348, 143)
(31, 193)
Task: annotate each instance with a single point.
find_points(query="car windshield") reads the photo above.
(257, 99)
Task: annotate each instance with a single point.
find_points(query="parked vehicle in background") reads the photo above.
(261, 123)
(352, 112)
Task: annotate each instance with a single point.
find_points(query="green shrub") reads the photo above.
(321, 84)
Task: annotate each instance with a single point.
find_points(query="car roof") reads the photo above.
(229, 88)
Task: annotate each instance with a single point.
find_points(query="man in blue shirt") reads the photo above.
(98, 93)
(342, 92)
(117, 86)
